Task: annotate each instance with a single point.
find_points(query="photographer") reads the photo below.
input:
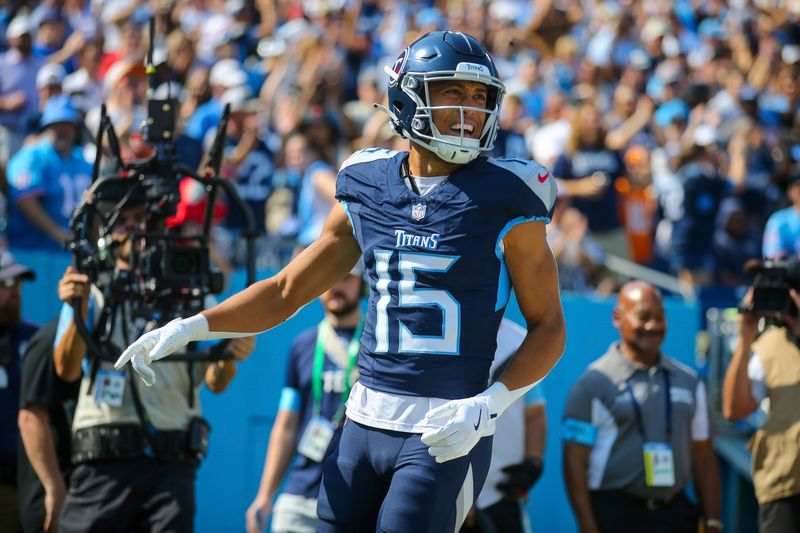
(135, 454)
(766, 365)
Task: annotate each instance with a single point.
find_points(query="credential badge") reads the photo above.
(418, 211)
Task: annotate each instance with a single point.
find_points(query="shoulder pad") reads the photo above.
(535, 176)
(366, 155)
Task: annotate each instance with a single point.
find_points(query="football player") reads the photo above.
(445, 234)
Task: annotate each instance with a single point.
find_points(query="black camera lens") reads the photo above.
(182, 263)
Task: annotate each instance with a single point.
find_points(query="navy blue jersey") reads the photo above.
(306, 474)
(436, 267)
(12, 347)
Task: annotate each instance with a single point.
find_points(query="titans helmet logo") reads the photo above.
(398, 66)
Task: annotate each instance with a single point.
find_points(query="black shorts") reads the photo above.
(142, 495)
(616, 512)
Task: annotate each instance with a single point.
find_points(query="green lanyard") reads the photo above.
(319, 361)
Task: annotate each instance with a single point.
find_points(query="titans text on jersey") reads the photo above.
(406, 238)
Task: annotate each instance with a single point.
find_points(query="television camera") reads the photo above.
(169, 272)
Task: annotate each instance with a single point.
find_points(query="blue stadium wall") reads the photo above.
(241, 418)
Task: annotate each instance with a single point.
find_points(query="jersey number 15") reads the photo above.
(412, 296)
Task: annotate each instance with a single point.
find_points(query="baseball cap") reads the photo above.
(239, 99)
(118, 71)
(18, 27)
(59, 109)
(670, 111)
(11, 269)
(78, 86)
(654, 28)
(50, 74)
(227, 73)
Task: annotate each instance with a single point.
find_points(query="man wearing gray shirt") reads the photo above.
(630, 450)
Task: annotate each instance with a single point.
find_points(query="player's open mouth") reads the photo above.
(464, 129)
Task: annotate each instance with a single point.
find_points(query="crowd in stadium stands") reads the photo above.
(673, 127)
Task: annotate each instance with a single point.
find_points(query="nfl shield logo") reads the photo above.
(418, 211)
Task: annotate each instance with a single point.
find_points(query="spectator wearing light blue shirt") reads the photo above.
(46, 181)
(782, 233)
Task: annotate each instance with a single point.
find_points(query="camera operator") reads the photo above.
(766, 365)
(135, 454)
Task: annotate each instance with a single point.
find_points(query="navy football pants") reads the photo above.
(385, 481)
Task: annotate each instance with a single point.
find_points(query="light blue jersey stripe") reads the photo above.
(290, 400)
(349, 215)
(504, 281)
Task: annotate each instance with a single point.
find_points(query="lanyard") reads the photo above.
(638, 410)
(319, 361)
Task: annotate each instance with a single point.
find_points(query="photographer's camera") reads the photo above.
(773, 281)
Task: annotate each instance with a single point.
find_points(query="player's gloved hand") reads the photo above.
(161, 342)
(461, 424)
(520, 478)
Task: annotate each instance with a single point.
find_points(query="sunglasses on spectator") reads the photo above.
(10, 283)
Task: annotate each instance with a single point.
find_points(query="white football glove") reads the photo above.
(462, 423)
(161, 342)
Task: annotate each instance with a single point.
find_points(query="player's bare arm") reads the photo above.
(534, 276)
(270, 302)
(261, 306)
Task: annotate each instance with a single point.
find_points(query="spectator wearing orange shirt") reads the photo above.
(637, 203)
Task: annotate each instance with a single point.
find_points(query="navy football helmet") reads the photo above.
(438, 56)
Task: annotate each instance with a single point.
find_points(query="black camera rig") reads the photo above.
(773, 280)
(169, 272)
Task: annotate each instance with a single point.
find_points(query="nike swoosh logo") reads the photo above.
(478, 423)
(543, 177)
